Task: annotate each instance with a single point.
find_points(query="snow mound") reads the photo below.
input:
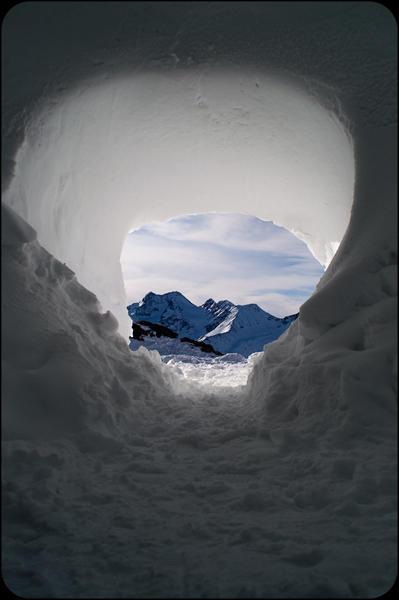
(65, 367)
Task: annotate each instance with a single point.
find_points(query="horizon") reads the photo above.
(202, 304)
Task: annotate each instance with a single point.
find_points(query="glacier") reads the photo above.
(119, 478)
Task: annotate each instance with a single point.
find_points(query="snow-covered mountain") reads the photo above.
(174, 311)
(241, 329)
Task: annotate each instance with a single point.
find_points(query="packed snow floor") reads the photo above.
(122, 480)
(197, 504)
(231, 370)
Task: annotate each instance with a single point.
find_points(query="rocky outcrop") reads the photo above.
(142, 330)
(202, 345)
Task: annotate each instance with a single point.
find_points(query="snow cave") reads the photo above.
(119, 478)
(112, 156)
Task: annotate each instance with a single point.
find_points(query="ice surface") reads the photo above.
(121, 479)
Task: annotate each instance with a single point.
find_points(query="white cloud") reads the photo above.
(230, 231)
(234, 257)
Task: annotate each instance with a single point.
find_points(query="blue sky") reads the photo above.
(221, 256)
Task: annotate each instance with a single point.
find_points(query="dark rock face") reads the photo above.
(290, 319)
(142, 329)
(204, 347)
(145, 329)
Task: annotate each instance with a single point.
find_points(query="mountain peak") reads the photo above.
(210, 302)
(167, 295)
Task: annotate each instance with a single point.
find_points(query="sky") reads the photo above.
(232, 257)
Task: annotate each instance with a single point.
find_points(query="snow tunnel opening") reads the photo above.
(113, 155)
(229, 282)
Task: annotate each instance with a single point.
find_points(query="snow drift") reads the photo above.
(65, 367)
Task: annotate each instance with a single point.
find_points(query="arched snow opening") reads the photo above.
(227, 280)
(117, 154)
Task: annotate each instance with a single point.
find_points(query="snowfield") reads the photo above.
(124, 477)
(231, 370)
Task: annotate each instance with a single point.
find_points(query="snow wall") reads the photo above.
(102, 139)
